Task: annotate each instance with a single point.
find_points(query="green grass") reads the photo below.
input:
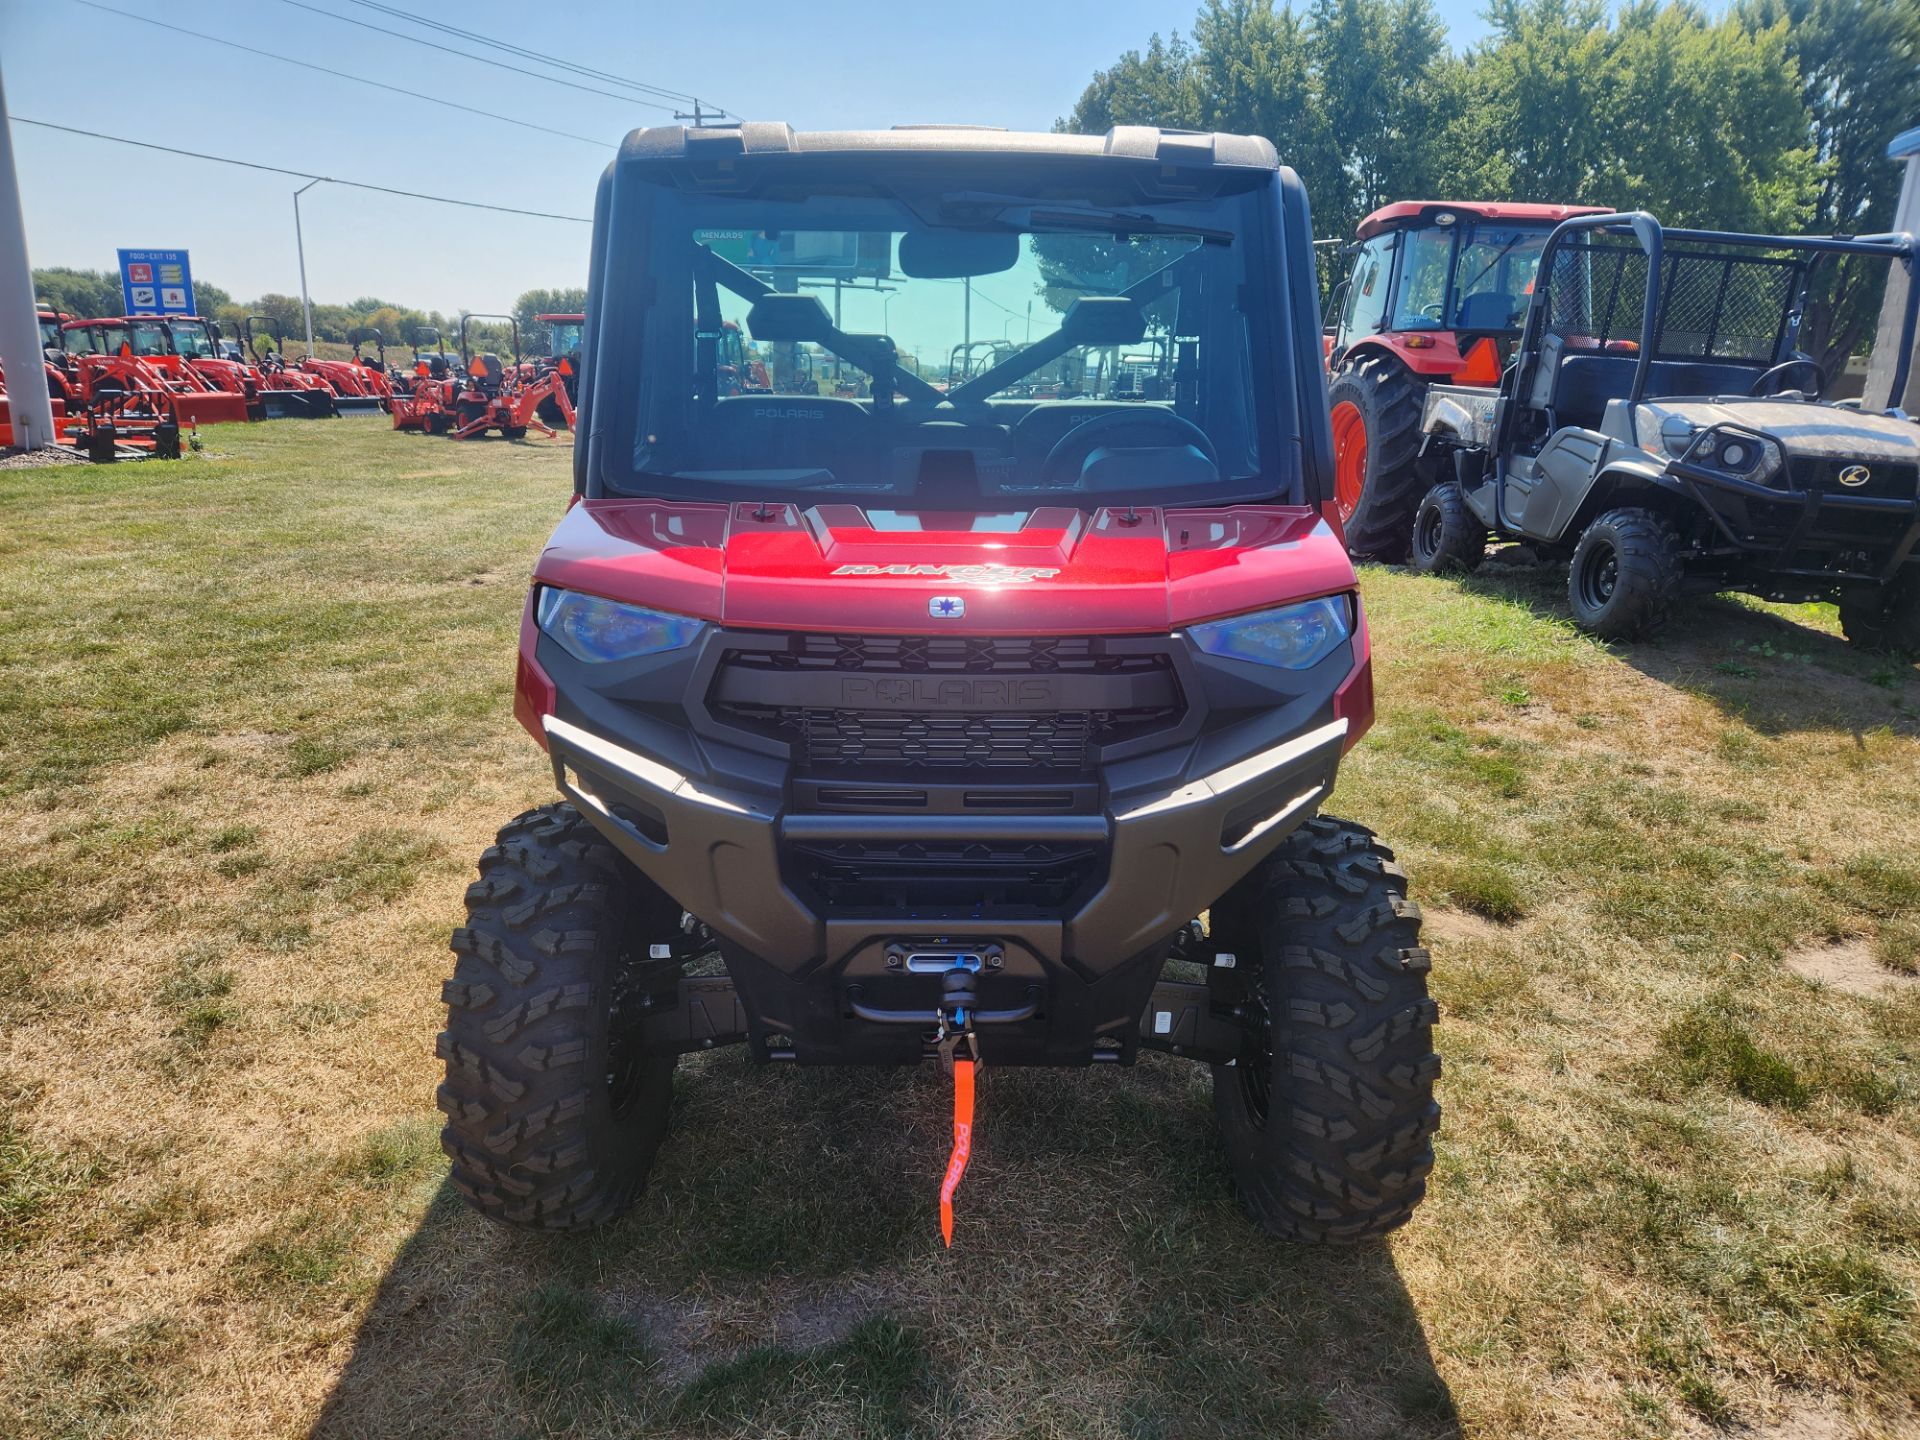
(255, 724)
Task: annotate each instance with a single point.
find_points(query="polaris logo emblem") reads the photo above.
(946, 607)
(1854, 476)
(965, 574)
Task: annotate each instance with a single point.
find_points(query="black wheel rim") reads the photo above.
(1256, 1056)
(1427, 532)
(1599, 575)
(626, 1055)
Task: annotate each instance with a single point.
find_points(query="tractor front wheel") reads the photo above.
(1376, 440)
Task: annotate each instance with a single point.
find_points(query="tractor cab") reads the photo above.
(1437, 293)
(194, 338)
(50, 323)
(143, 337)
(1430, 279)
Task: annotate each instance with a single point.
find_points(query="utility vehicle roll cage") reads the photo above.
(1725, 248)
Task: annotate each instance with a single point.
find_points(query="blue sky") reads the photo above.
(830, 64)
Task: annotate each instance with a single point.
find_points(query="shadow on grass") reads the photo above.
(784, 1274)
(1761, 667)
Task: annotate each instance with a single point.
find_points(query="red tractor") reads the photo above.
(357, 384)
(1437, 293)
(563, 358)
(286, 390)
(136, 354)
(197, 342)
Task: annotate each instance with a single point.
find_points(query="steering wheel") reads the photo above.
(1762, 386)
(1068, 456)
(1435, 311)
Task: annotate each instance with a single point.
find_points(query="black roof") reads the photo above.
(1171, 149)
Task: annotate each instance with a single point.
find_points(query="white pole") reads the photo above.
(30, 406)
(300, 243)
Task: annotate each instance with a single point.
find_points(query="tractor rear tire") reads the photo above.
(1376, 404)
(554, 1110)
(1886, 618)
(1625, 575)
(514, 432)
(1328, 1114)
(1447, 536)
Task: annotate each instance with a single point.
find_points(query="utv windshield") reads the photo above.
(953, 346)
(1469, 276)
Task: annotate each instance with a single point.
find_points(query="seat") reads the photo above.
(785, 432)
(1487, 310)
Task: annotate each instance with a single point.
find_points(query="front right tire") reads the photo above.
(1328, 1114)
(554, 1108)
(1887, 617)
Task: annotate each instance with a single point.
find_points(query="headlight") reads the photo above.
(595, 630)
(1292, 637)
(1733, 452)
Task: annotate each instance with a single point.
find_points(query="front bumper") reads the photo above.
(1170, 855)
(1796, 529)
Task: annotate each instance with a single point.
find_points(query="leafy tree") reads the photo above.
(1859, 66)
(1381, 70)
(84, 294)
(1156, 88)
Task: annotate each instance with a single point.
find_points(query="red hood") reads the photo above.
(1046, 571)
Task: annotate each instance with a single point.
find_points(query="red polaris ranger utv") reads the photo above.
(1436, 296)
(956, 725)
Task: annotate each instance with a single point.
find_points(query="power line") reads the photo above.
(522, 52)
(302, 174)
(477, 59)
(343, 75)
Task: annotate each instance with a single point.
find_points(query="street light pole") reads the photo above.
(300, 243)
(31, 408)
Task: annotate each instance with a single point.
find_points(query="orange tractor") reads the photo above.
(285, 390)
(357, 384)
(135, 355)
(493, 396)
(563, 358)
(422, 398)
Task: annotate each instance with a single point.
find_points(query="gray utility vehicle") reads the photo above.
(1661, 428)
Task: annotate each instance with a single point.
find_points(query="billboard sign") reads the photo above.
(156, 282)
(809, 255)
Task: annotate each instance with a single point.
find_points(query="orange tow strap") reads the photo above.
(962, 1143)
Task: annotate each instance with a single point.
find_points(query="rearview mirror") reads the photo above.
(1104, 320)
(957, 254)
(787, 318)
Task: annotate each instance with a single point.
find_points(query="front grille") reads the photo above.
(927, 740)
(1887, 479)
(882, 874)
(958, 654)
(947, 703)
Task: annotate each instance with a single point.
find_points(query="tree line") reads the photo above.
(1771, 116)
(90, 294)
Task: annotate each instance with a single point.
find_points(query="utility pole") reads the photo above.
(30, 407)
(966, 329)
(300, 243)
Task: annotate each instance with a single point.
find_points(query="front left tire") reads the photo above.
(554, 1108)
